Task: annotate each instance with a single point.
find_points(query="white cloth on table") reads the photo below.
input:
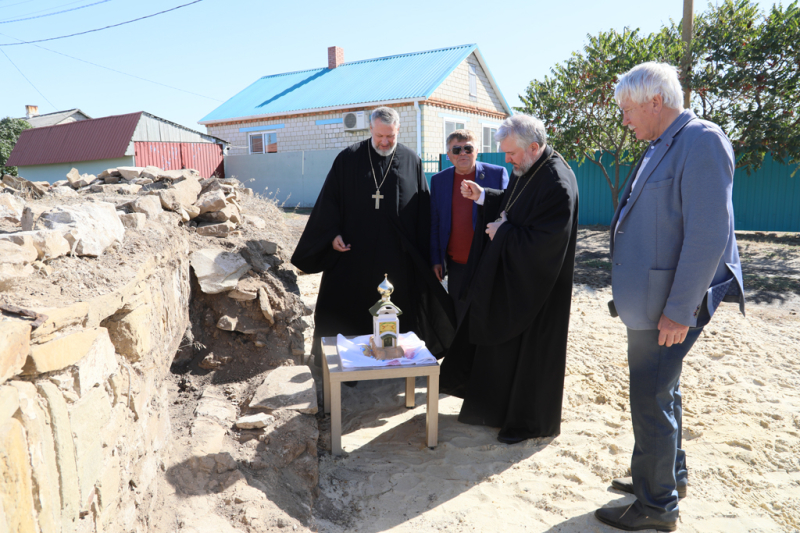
(351, 352)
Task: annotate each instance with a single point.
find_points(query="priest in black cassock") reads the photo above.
(372, 217)
(508, 358)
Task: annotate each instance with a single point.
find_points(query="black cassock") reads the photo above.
(392, 240)
(508, 358)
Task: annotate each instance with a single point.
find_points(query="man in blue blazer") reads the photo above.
(674, 259)
(453, 217)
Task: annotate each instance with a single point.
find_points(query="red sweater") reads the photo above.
(461, 230)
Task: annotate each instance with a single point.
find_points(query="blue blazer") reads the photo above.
(486, 175)
(675, 242)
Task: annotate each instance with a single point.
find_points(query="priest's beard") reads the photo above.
(386, 152)
(525, 166)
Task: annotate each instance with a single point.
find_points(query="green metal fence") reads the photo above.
(767, 200)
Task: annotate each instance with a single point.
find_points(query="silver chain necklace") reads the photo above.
(378, 196)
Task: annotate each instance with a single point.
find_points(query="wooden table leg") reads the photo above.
(432, 426)
(336, 417)
(326, 381)
(410, 387)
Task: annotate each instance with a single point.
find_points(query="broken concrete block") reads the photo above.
(227, 323)
(256, 222)
(222, 229)
(134, 220)
(130, 173)
(149, 205)
(73, 177)
(216, 270)
(211, 201)
(15, 345)
(11, 207)
(256, 421)
(287, 387)
(17, 254)
(266, 308)
(63, 351)
(49, 244)
(90, 227)
(150, 172)
(16, 488)
(98, 364)
(43, 456)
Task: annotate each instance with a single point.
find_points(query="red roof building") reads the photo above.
(136, 139)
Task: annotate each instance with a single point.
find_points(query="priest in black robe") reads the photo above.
(508, 358)
(372, 217)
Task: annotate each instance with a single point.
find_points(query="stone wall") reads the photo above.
(84, 424)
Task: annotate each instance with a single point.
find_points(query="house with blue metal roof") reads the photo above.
(435, 92)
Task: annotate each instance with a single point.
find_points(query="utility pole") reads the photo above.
(688, 26)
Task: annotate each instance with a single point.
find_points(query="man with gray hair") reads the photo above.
(372, 217)
(674, 259)
(508, 358)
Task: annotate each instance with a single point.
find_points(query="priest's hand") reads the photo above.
(437, 269)
(491, 227)
(339, 245)
(471, 190)
(670, 332)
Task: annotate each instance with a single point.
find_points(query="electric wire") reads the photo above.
(119, 71)
(103, 28)
(56, 13)
(26, 78)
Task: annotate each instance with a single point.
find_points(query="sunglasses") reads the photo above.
(468, 149)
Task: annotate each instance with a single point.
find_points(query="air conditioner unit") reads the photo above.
(354, 121)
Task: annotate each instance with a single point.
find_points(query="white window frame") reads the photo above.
(455, 121)
(473, 82)
(490, 126)
(264, 144)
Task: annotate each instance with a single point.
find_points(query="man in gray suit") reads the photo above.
(674, 257)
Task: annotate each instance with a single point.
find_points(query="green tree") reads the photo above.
(576, 102)
(10, 128)
(745, 77)
(744, 74)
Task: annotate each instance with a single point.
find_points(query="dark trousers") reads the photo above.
(456, 274)
(658, 464)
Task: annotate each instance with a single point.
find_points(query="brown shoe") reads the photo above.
(625, 484)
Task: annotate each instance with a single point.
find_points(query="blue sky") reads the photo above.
(212, 49)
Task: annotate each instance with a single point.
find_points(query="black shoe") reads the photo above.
(630, 518)
(625, 484)
(510, 436)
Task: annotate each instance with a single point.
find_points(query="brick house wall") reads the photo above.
(450, 102)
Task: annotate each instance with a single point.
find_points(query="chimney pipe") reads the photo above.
(31, 111)
(335, 56)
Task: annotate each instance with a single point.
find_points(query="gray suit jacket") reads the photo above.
(676, 242)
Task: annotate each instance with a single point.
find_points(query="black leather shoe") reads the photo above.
(625, 484)
(630, 518)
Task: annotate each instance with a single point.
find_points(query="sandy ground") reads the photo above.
(741, 389)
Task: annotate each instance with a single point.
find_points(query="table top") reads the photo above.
(334, 365)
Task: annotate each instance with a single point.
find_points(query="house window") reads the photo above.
(449, 127)
(263, 142)
(473, 83)
(489, 144)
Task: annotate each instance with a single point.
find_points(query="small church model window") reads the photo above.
(385, 324)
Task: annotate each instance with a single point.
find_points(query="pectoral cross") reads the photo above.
(378, 196)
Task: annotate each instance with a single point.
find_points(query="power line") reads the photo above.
(56, 13)
(103, 28)
(119, 71)
(26, 78)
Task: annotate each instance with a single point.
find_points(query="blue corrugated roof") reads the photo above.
(399, 77)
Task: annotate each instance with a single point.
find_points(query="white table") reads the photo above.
(333, 374)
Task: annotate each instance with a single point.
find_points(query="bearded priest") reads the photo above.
(508, 358)
(372, 217)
